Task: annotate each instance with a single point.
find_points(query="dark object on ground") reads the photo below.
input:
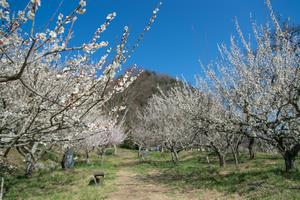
(97, 178)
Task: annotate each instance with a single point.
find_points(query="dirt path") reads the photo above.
(132, 186)
(129, 186)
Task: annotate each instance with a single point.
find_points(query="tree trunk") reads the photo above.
(290, 157)
(103, 151)
(289, 163)
(115, 149)
(235, 156)
(29, 165)
(174, 156)
(220, 155)
(68, 159)
(139, 152)
(237, 149)
(207, 159)
(222, 160)
(250, 148)
(87, 156)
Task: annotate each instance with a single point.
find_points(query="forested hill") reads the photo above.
(137, 94)
(145, 86)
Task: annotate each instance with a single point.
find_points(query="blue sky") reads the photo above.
(184, 32)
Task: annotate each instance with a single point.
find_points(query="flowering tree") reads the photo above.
(104, 132)
(162, 123)
(213, 123)
(144, 132)
(189, 117)
(262, 87)
(178, 119)
(44, 93)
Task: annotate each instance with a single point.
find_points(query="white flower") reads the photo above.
(21, 16)
(61, 30)
(87, 47)
(30, 15)
(66, 69)
(4, 41)
(81, 11)
(111, 16)
(82, 3)
(59, 76)
(76, 90)
(74, 19)
(41, 36)
(37, 2)
(4, 4)
(52, 34)
(155, 11)
(103, 44)
(60, 16)
(122, 108)
(6, 15)
(63, 45)
(103, 27)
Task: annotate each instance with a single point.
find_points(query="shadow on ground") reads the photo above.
(259, 178)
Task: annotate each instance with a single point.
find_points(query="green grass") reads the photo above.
(262, 178)
(64, 185)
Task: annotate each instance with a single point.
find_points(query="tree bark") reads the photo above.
(221, 156)
(102, 154)
(87, 156)
(29, 165)
(139, 152)
(222, 160)
(207, 159)
(237, 148)
(290, 157)
(115, 149)
(68, 159)
(250, 148)
(174, 155)
(235, 156)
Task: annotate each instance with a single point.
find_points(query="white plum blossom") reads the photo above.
(61, 30)
(111, 16)
(81, 11)
(53, 34)
(47, 96)
(82, 3)
(4, 3)
(41, 36)
(30, 15)
(155, 11)
(260, 87)
(60, 16)
(37, 2)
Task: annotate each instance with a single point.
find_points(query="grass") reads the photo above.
(261, 178)
(64, 185)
